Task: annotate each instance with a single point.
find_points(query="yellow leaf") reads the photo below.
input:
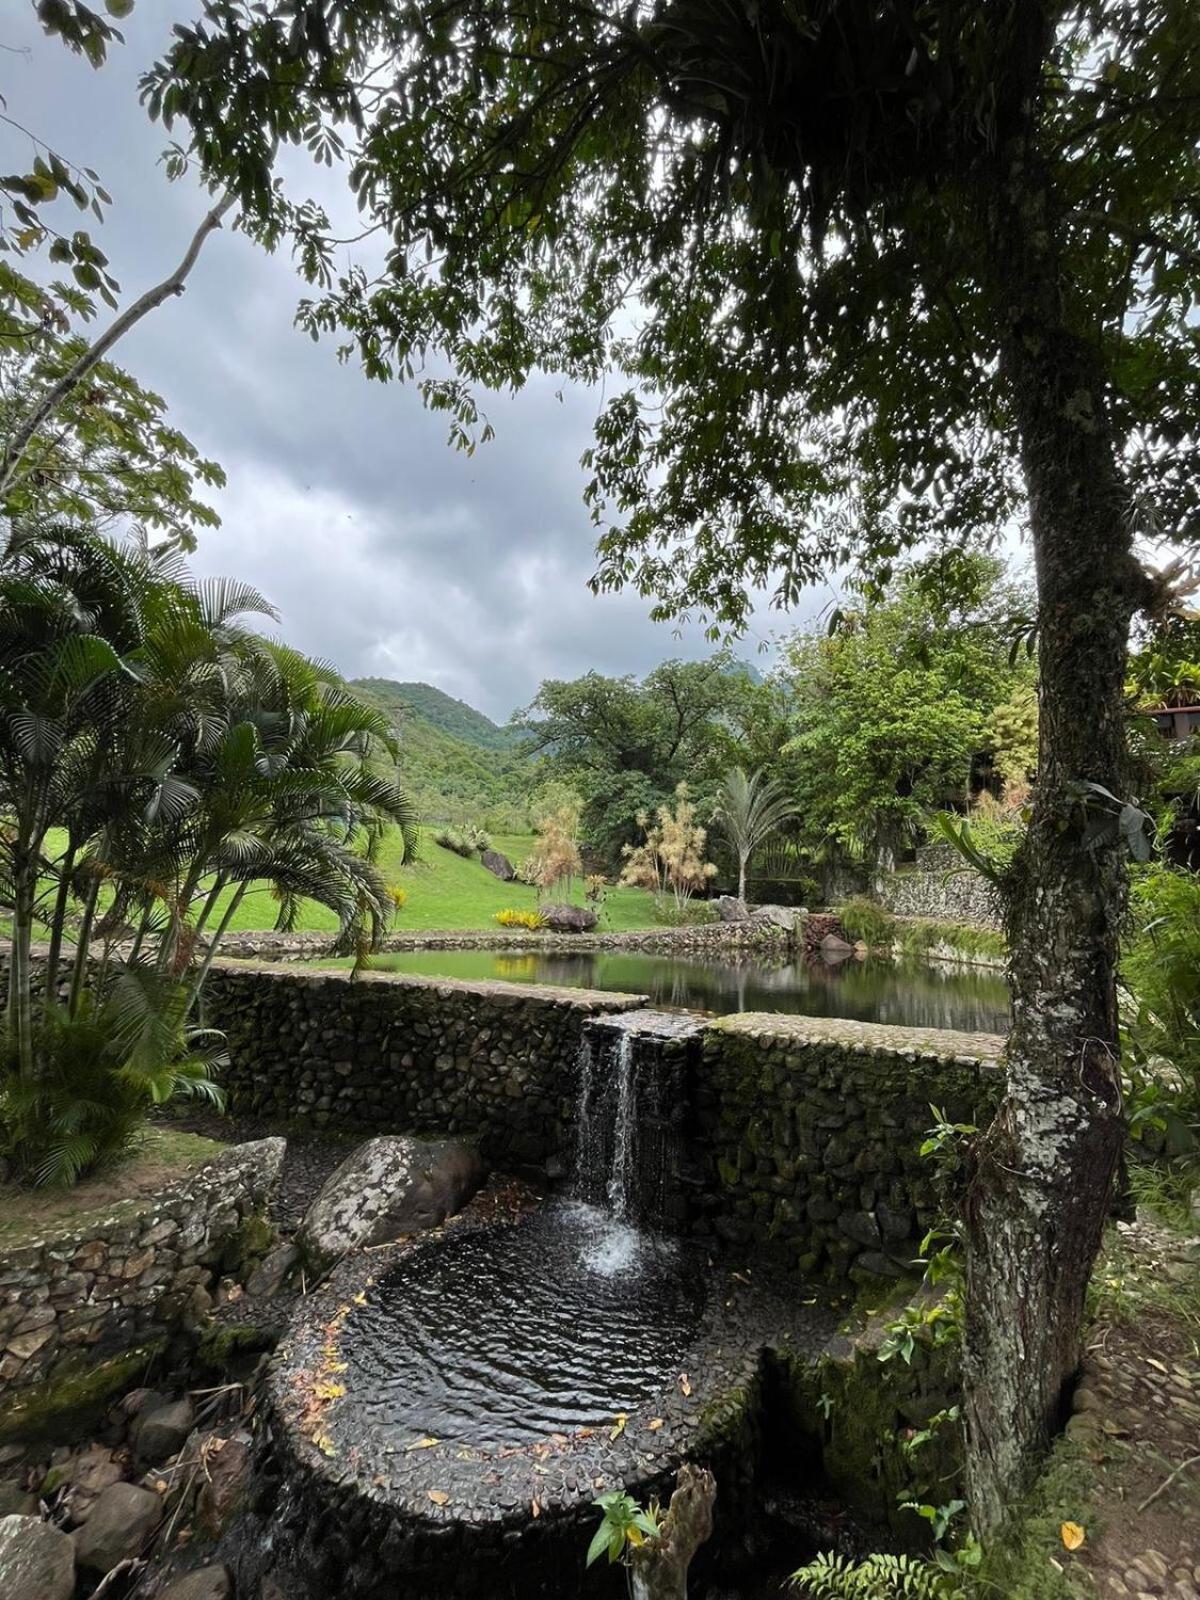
(1072, 1535)
(654, 1424)
(685, 1383)
(635, 1536)
(330, 1391)
(438, 1496)
(360, 1299)
(421, 1444)
(618, 1427)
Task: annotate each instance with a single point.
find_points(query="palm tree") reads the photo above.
(748, 810)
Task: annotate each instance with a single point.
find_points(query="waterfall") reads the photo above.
(630, 1077)
(623, 1172)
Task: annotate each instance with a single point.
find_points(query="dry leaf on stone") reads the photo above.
(618, 1427)
(422, 1444)
(685, 1383)
(655, 1423)
(438, 1496)
(1072, 1535)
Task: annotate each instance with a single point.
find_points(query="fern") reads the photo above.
(878, 1577)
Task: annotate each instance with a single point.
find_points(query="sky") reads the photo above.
(384, 550)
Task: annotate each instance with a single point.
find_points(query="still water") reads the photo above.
(908, 994)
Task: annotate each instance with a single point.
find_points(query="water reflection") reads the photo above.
(907, 994)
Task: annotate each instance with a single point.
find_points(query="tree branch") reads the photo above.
(173, 284)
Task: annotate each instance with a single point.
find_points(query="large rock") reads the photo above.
(782, 917)
(389, 1186)
(568, 919)
(37, 1562)
(730, 909)
(269, 1275)
(498, 865)
(210, 1583)
(226, 1482)
(122, 1520)
(159, 1434)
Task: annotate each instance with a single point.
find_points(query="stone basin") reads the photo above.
(405, 1477)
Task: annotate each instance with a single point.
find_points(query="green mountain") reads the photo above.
(457, 764)
(442, 711)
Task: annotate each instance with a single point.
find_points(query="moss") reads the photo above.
(246, 1248)
(76, 1391)
(221, 1342)
(1029, 1563)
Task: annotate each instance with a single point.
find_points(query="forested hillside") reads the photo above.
(457, 764)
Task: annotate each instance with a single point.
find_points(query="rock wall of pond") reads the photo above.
(940, 887)
(83, 1306)
(806, 1133)
(400, 1053)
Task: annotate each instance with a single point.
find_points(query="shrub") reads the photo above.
(691, 914)
(867, 920)
(532, 920)
(594, 886)
(454, 839)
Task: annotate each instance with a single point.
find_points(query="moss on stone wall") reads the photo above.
(77, 1392)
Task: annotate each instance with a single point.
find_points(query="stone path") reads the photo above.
(1137, 1415)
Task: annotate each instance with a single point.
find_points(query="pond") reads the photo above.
(908, 994)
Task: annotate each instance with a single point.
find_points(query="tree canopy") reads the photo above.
(799, 201)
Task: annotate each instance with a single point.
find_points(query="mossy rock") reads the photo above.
(74, 1395)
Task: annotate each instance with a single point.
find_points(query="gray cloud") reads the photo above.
(384, 550)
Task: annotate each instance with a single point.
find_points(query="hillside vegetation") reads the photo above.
(457, 763)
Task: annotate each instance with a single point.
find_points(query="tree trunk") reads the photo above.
(1043, 1172)
(658, 1569)
(741, 877)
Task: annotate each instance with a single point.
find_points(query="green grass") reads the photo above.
(448, 893)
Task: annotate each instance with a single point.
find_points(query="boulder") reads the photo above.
(568, 919)
(268, 1276)
(782, 917)
(37, 1562)
(88, 1475)
(159, 1434)
(730, 909)
(209, 1583)
(498, 865)
(226, 1480)
(122, 1520)
(835, 949)
(389, 1186)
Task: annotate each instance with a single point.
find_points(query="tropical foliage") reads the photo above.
(749, 809)
(157, 758)
(671, 854)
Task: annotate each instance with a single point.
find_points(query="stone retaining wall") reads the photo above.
(939, 887)
(77, 1299)
(806, 1132)
(397, 1052)
(708, 936)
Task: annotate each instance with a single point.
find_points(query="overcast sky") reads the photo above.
(384, 550)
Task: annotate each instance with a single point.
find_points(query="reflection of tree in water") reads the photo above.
(867, 991)
(519, 969)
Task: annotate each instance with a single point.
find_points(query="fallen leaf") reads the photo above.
(379, 1481)
(655, 1423)
(330, 1391)
(438, 1496)
(421, 1444)
(535, 1508)
(360, 1299)
(618, 1427)
(1072, 1535)
(685, 1383)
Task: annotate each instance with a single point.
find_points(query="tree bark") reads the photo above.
(658, 1569)
(1043, 1172)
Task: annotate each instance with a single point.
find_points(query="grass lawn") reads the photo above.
(447, 892)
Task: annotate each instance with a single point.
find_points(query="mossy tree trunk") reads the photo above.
(1043, 1173)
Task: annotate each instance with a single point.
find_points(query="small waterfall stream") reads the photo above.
(631, 1071)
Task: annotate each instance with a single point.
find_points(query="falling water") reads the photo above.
(623, 1170)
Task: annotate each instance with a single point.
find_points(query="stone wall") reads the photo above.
(941, 887)
(696, 938)
(395, 1052)
(806, 1132)
(113, 1284)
